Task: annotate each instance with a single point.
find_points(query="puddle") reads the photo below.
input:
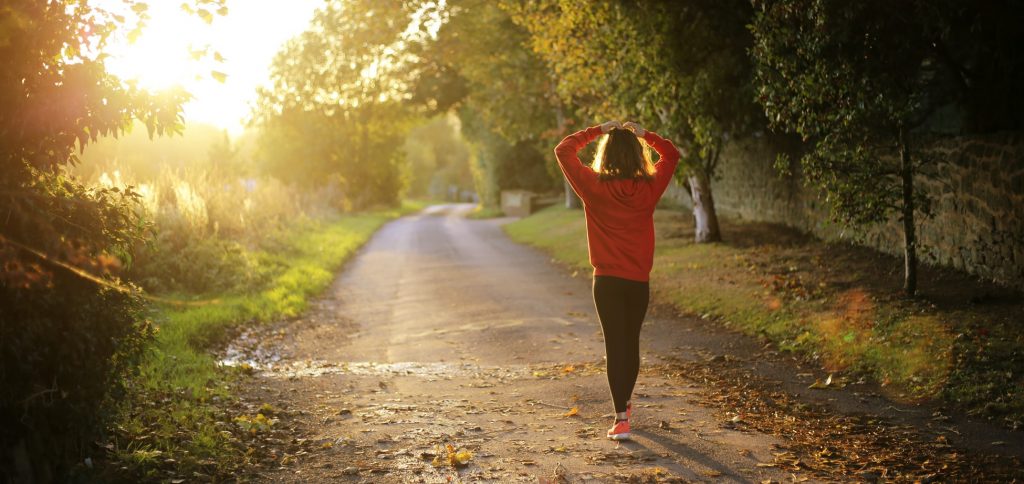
(255, 347)
(488, 326)
(314, 368)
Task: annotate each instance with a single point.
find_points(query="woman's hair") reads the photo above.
(621, 155)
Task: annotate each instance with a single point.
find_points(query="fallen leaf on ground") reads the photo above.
(452, 457)
(819, 385)
(572, 411)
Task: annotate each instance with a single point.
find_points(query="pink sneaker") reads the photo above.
(619, 431)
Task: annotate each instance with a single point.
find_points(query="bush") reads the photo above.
(67, 354)
(70, 331)
(198, 266)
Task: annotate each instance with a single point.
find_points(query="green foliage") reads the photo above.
(680, 68)
(849, 76)
(199, 266)
(846, 77)
(71, 330)
(438, 158)
(859, 81)
(66, 350)
(501, 91)
(336, 104)
(506, 84)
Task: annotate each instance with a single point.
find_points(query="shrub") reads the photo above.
(70, 331)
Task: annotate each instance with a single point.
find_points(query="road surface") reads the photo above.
(441, 331)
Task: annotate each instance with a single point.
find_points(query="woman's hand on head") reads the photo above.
(638, 130)
(609, 125)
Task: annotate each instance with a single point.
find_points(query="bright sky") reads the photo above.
(248, 37)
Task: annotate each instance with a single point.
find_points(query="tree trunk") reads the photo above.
(571, 200)
(909, 235)
(704, 216)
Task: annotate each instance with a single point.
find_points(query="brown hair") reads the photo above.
(621, 155)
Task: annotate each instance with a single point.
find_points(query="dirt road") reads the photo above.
(441, 331)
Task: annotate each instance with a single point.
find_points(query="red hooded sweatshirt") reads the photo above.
(620, 212)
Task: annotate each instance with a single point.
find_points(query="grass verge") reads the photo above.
(178, 421)
(482, 212)
(960, 343)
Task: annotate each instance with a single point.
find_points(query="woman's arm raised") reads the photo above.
(668, 155)
(579, 175)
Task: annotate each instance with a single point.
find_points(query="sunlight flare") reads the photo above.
(221, 63)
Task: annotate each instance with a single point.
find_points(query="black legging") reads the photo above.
(621, 306)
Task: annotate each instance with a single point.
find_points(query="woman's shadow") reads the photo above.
(683, 461)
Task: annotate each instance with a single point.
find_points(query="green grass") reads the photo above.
(556, 230)
(482, 212)
(175, 416)
(826, 303)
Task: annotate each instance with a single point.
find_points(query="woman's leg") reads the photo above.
(637, 298)
(618, 304)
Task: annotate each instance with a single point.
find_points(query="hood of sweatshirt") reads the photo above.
(634, 194)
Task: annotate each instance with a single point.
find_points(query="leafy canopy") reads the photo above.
(677, 67)
(848, 77)
(338, 102)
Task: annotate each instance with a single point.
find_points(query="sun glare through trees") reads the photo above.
(313, 240)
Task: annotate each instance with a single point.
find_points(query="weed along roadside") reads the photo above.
(178, 419)
(836, 306)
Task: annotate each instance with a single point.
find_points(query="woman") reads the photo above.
(619, 193)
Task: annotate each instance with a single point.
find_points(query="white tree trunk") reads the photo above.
(571, 200)
(909, 233)
(704, 216)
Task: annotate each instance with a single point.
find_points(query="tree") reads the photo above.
(859, 82)
(503, 93)
(71, 329)
(337, 104)
(680, 68)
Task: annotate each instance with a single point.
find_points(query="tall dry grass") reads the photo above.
(209, 225)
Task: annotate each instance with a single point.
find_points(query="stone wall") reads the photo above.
(976, 184)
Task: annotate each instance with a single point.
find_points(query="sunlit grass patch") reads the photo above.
(820, 302)
(561, 232)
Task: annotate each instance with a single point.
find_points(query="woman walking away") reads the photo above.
(619, 193)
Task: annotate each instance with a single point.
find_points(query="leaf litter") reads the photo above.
(833, 445)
